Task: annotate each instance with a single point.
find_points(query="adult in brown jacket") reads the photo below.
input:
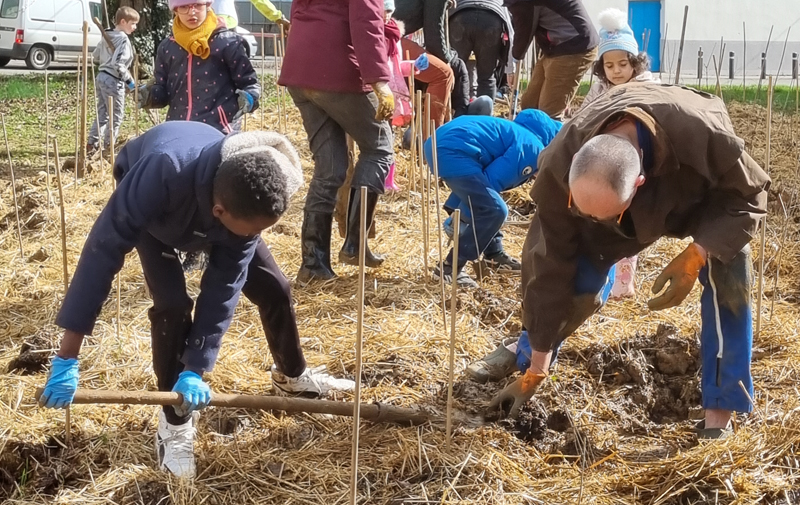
(642, 162)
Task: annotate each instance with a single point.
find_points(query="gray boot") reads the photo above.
(496, 366)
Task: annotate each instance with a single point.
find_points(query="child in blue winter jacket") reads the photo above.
(202, 71)
(479, 157)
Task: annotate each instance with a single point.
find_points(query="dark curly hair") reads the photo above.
(251, 185)
(640, 63)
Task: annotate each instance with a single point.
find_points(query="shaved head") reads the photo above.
(604, 176)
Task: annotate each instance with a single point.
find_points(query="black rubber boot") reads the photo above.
(349, 252)
(316, 247)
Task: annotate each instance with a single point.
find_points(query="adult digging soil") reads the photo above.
(342, 90)
(642, 162)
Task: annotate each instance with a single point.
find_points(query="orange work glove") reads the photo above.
(681, 273)
(514, 396)
(385, 101)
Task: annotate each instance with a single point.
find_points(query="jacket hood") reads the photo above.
(539, 123)
(117, 37)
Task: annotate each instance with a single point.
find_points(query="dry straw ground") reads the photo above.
(613, 425)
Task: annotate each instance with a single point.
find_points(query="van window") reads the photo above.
(96, 10)
(9, 9)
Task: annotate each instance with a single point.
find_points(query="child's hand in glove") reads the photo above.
(385, 101)
(246, 103)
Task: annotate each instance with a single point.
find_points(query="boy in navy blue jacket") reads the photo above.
(185, 186)
(479, 157)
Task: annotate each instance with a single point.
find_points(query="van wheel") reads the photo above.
(38, 58)
(4, 61)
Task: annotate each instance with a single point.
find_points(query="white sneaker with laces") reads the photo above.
(175, 446)
(312, 383)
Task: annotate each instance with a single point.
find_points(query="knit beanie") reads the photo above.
(615, 34)
(271, 144)
(180, 3)
(388, 5)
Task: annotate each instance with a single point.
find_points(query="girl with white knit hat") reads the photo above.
(619, 61)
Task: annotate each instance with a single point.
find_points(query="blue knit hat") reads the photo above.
(388, 5)
(615, 34)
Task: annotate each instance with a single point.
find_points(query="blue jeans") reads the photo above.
(489, 212)
(726, 333)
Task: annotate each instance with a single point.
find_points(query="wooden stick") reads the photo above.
(13, 187)
(80, 163)
(780, 252)
(453, 310)
(515, 100)
(435, 161)
(63, 218)
(97, 119)
(376, 412)
(277, 86)
(764, 220)
(112, 141)
(284, 114)
(423, 204)
(362, 251)
(77, 119)
(68, 424)
(135, 95)
(263, 69)
(47, 138)
(744, 62)
(783, 53)
(766, 52)
(412, 178)
(680, 48)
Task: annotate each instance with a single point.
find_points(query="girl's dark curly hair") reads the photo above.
(640, 63)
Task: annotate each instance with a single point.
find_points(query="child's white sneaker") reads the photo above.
(175, 446)
(312, 383)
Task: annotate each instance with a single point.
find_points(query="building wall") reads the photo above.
(708, 21)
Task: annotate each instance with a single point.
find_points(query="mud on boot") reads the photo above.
(349, 252)
(315, 244)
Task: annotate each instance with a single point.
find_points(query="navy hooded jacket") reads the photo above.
(505, 151)
(204, 90)
(165, 188)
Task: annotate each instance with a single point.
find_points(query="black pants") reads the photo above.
(171, 313)
(479, 31)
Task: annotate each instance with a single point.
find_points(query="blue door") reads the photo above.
(645, 19)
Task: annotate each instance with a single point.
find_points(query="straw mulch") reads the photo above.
(613, 425)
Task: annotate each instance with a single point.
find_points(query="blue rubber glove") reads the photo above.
(196, 393)
(130, 85)
(246, 103)
(523, 352)
(61, 383)
(422, 62)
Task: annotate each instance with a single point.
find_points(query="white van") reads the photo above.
(43, 31)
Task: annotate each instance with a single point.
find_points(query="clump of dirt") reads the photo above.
(530, 425)
(35, 353)
(558, 420)
(147, 492)
(493, 310)
(285, 229)
(30, 216)
(35, 466)
(39, 256)
(657, 374)
(387, 298)
(389, 369)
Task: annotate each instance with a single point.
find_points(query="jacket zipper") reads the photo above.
(189, 88)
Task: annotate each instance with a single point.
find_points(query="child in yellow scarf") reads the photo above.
(203, 72)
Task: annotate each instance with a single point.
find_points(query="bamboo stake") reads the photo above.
(277, 86)
(112, 141)
(663, 47)
(780, 252)
(47, 138)
(453, 308)
(80, 163)
(783, 53)
(766, 52)
(680, 48)
(13, 187)
(515, 96)
(435, 161)
(77, 118)
(63, 218)
(764, 220)
(362, 250)
(263, 69)
(423, 202)
(414, 111)
(744, 62)
(376, 412)
(97, 119)
(68, 424)
(135, 95)
(283, 91)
